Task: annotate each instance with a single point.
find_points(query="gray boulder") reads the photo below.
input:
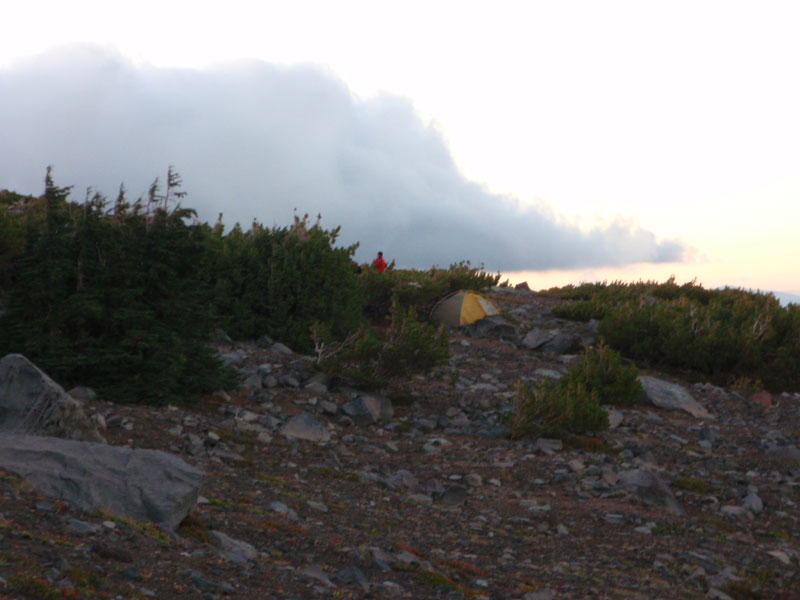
(671, 396)
(236, 551)
(146, 485)
(493, 326)
(31, 402)
(650, 487)
(536, 338)
(366, 410)
(562, 343)
(305, 427)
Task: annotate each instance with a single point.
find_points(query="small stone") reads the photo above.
(615, 418)
(474, 480)
(545, 594)
(576, 465)
(781, 556)
(317, 506)
(614, 518)
(548, 446)
(279, 348)
(733, 511)
(306, 427)
(454, 495)
(753, 503)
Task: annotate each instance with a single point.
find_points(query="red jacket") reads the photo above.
(379, 264)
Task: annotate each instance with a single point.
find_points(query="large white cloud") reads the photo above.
(257, 141)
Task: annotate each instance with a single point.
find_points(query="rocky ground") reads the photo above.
(418, 493)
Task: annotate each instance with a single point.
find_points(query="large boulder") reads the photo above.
(367, 410)
(31, 402)
(650, 487)
(305, 427)
(671, 396)
(493, 326)
(146, 485)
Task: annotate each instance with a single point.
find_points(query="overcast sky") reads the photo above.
(616, 139)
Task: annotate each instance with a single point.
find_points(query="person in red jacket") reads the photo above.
(379, 263)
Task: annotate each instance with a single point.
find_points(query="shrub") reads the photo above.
(601, 370)
(116, 299)
(573, 403)
(726, 333)
(370, 357)
(419, 290)
(554, 409)
(280, 281)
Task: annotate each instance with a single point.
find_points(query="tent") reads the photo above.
(463, 308)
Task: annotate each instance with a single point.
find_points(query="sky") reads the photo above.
(552, 141)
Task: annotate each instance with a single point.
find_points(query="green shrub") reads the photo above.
(420, 290)
(726, 333)
(573, 403)
(116, 299)
(581, 310)
(554, 409)
(280, 281)
(370, 357)
(601, 370)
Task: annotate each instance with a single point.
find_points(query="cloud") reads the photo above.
(257, 141)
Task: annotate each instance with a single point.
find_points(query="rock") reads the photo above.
(651, 488)
(316, 572)
(753, 503)
(671, 396)
(733, 511)
(31, 402)
(787, 454)
(236, 551)
(318, 384)
(400, 478)
(234, 358)
(367, 410)
(781, 556)
(78, 527)
(283, 349)
(615, 417)
(305, 427)
(84, 393)
(253, 382)
(454, 495)
(146, 485)
(493, 326)
(352, 576)
(474, 480)
(537, 338)
(316, 387)
(548, 446)
(545, 594)
(321, 507)
(562, 342)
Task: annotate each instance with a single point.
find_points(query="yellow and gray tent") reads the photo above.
(463, 308)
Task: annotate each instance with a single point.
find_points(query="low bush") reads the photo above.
(573, 404)
(419, 290)
(554, 409)
(371, 356)
(727, 334)
(600, 369)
